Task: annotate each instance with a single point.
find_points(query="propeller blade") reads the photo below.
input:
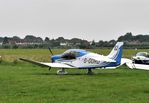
(50, 51)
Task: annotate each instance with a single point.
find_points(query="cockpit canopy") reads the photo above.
(73, 54)
(144, 54)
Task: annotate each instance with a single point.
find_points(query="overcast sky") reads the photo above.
(86, 19)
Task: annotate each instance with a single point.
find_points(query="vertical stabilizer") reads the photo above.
(116, 53)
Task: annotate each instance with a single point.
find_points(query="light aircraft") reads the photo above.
(139, 61)
(141, 58)
(82, 59)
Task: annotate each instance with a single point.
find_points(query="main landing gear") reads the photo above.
(90, 71)
(62, 71)
(49, 68)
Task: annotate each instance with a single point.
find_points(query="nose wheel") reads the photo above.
(62, 72)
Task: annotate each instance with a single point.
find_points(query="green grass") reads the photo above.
(26, 83)
(11, 55)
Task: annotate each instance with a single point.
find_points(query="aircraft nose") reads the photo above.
(55, 57)
(52, 60)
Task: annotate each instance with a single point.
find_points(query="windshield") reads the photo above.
(73, 53)
(142, 54)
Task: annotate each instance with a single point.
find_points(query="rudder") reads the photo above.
(116, 53)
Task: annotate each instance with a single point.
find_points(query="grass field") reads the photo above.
(26, 83)
(10, 55)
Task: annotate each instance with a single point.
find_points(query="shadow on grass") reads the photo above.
(112, 74)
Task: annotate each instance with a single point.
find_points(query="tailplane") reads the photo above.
(116, 53)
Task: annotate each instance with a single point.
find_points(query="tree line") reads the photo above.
(30, 41)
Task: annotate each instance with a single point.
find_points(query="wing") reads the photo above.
(54, 65)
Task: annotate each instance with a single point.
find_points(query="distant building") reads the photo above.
(63, 44)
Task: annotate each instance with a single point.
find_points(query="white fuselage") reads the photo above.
(140, 58)
(90, 60)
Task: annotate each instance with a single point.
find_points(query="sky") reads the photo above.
(85, 19)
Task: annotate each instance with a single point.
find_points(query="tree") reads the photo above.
(1, 39)
(47, 40)
(16, 39)
(93, 43)
(127, 37)
(60, 39)
(39, 40)
(101, 43)
(5, 41)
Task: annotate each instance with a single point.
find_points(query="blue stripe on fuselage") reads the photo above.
(79, 51)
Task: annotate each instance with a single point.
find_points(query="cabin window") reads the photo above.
(72, 54)
(141, 54)
(69, 55)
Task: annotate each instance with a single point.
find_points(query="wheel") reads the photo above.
(62, 72)
(90, 72)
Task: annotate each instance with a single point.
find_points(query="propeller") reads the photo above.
(50, 51)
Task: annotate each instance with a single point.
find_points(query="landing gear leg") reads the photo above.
(49, 68)
(90, 71)
(62, 71)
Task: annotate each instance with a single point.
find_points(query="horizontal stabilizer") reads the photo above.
(132, 65)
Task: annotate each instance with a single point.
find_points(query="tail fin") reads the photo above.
(116, 53)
